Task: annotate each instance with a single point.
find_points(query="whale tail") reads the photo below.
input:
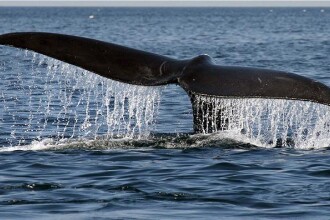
(197, 76)
(106, 59)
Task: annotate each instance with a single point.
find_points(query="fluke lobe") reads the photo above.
(197, 76)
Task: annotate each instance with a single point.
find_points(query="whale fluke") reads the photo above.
(106, 59)
(197, 76)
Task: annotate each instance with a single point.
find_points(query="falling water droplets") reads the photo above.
(266, 122)
(47, 98)
(48, 101)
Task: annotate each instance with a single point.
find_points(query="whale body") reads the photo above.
(197, 76)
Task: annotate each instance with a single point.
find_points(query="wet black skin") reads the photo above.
(196, 76)
(202, 76)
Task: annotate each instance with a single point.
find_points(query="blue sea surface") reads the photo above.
(61, 159)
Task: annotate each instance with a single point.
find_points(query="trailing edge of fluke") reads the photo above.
(197, 76)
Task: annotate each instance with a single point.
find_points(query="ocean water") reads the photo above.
(74, 145)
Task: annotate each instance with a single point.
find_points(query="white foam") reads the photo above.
(45, 144)
(101, 143)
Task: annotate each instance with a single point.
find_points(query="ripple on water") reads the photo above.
(53, 167)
